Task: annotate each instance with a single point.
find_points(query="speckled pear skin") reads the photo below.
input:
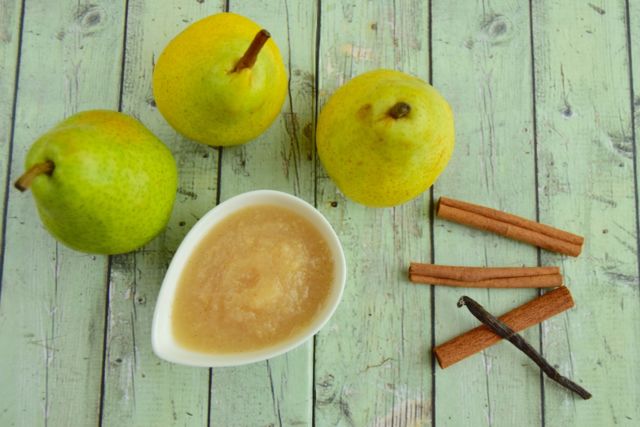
(113, 186)
(201, 98)
(377, 160)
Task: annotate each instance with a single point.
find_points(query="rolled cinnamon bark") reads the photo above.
(508, 225)
(482, 337)
(485, 277)
(548, 281)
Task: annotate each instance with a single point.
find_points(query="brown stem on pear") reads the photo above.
(24, 182)
(251, 55)
(399, 110)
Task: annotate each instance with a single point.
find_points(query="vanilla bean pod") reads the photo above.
(507, 333)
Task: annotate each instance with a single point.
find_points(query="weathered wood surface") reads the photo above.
(544, 101)
(633, 26)
(587, 183)
(53, 299)
(474, 48)
(139, 388)
(372, 360)
(10, 32)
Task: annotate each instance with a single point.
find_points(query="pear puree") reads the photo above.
(257, 279)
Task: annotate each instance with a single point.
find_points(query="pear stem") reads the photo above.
(399, 110)
(251, 55)
(24, 182)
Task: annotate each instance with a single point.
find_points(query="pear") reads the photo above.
(384, 137)
(102, 182)
(221, 81)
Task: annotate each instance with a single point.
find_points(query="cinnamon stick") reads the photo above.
(548, 281)
(517, 340)
(485, 277)
(480, 338)
(511, 226)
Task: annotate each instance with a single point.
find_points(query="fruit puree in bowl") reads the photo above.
(255, 277)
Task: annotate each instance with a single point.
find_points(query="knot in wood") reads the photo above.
(89, 17)
(497, 28)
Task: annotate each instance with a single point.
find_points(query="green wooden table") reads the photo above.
(543, 94)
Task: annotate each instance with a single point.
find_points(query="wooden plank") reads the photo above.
(10, 32)
(373, 363)
(633, 28)
(278, 391)
(474, 65)
(52, 307)
(586, 184)
(140, 389)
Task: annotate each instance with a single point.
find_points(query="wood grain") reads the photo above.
(482, 65)
(373, 359)
(10, 33)
(278, 391)
(633, 28)
(140, 389)
(586, 183)
(132, 372)
(52, 306)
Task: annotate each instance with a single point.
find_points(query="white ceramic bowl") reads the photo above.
(162, 339)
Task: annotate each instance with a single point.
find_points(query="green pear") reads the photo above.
(102, 182)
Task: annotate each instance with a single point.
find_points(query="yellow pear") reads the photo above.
(384, 137)
(221, 81)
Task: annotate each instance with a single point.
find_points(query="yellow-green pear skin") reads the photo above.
(374, 158)
(113, 184)
(198, 92)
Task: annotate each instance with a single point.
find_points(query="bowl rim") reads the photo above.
(164, 344)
